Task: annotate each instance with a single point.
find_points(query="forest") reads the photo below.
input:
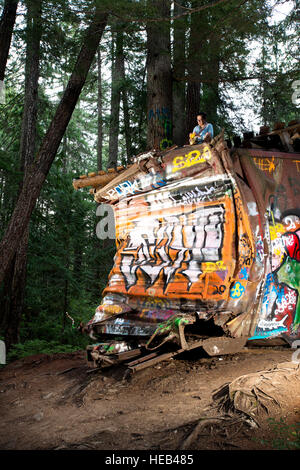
(86, 85)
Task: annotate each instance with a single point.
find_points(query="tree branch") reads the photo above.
(180, 15)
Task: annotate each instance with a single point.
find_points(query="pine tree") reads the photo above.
(159, 77)
(36, 175)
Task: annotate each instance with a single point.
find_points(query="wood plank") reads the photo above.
(148, 362)
(289, 128)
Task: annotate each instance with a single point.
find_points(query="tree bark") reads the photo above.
(114, 125)
(16, 291)
(180, 136)
(159, 78)
(126, 115)
(194, 71)
(28, 130)
(38, 171)
(7, 22)
(16, 284)
(211, 52)
(211, 97)
(99, 111)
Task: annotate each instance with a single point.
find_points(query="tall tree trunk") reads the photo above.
(126, 115)
(211, 97)
(99, 111)
(180, 136)
(16, 287)
(39, 169)
(263, 90)
(16, 292)
(28, 130)
(159, 78)
(210, 59)
(128, 138)
(194, 70)
(7, 22)
(114, 125)
(142, 114)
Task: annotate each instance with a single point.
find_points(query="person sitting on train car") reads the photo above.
(204, 131)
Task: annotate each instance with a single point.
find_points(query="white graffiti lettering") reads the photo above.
(193, 238)
(271, 324)
(139, 184)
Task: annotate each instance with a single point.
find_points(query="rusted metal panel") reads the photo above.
(222, 345)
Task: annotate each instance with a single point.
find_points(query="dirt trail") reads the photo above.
(53, 402)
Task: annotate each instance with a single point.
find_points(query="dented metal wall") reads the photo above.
(277, 192)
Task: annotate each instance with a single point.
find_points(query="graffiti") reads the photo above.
(279, 206)
(246, 253)
(272, 324)
(122, 326)
(292, 242)
(198, 195)
(192, 158)
(285, 306)
(156, 315)
(165, 143)
(162, 117)
(191, 193)
(138, 185)
(259, 246)
(244, 273)
(237, 290)
(197, 238)
(252, 207)
(193, 238)
(161, 114)
(271, 293)
(158, 200)
(268, 329)
(218, 289)
(297, 166)
(206, 192)
(212, 267)
(265, 164)
(153, 303)
(239, 206)
(276, 245)
(289, 274)
(280, 306)
(276, 230)
(289, 222)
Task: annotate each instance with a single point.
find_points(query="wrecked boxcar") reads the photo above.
(207, 252)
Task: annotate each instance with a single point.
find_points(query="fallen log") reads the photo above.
(97, 180)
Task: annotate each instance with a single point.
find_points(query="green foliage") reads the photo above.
(278, 67)
(38, 346)
(287, 436)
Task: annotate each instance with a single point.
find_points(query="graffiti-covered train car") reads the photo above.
(207, 251)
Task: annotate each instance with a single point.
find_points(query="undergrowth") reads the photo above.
(38, 346)
(286, 436)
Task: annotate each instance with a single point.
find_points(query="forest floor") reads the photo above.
(53, 402)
